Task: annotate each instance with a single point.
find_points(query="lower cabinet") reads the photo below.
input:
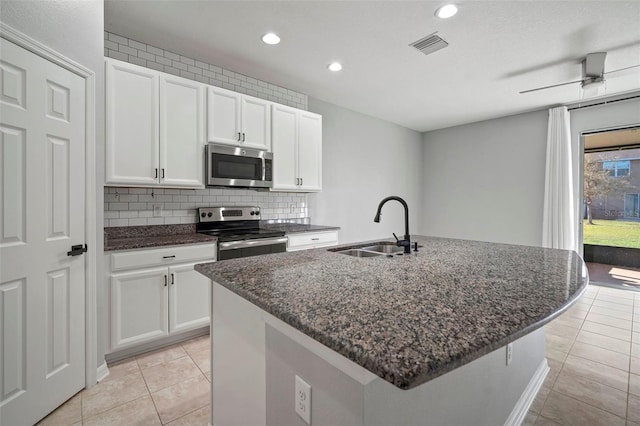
(154, 302)
(310, 240)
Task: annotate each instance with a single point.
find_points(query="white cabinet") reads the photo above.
(156, 293)
(237, 119)
(297, 149)
(154, 127)
(310, 240)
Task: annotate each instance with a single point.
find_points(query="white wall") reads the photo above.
(75, 30)
(364, 160)
(485, 180)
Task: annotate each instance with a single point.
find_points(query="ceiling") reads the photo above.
(496, 49)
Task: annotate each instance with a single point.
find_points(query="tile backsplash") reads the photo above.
(135, 206)
(134, 52)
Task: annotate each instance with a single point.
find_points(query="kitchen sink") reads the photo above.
(384, 248)
(359, 253)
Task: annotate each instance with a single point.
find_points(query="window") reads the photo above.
(617, 168)
(632, 205)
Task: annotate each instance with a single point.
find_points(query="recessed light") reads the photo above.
(335, 66)
(271, 38)
(446, 11)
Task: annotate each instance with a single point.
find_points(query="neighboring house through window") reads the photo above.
(617, 168)
(632, 205)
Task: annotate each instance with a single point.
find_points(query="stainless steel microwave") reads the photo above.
(236, 166)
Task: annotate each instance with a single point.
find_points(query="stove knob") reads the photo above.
(203, 214)
(257, 213)
(252, 213)
(209, 214)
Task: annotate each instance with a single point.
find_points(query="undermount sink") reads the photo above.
(383, 248)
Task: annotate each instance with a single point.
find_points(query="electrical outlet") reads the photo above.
(292, 208)
(509, 353)
(157, 210)
(303, 400)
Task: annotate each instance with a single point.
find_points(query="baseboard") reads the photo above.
(526, 399)
(102, 372)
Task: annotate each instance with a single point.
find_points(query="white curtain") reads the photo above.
(559, 218)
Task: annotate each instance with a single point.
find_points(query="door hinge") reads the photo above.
(77, 250)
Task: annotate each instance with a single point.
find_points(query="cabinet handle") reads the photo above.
(301, 181)
(315, 239)
(165, 280)
(243, 137)
(169, 257)
(163, 173)
(239, 136)
(156, 173)
(172, 280)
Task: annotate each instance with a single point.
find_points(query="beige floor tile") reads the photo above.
(571, 412)
(636, 314)
(198, 344)
(139, 412)
(601, 355)
(543, 421)
(593, 393)
(182, 398)
(577, 312)
(607, 320)
(554, 369)
(634, 366)
(200, 417)
(541, 397)
(555, 355)
(122, 368)
(67, 414)
(563, 331)
(529, 419)
(568, 321)
(627, 316)
(596, 371)
(208, 376)
(635, 337)
(169, 373)
(634, 384)
(111, 393)
(603, 341)
(611, 305)
(159, 356)
(558, 343)
(616, 292)
(633, 413)
(202, 359)
(607, 330)
(635, 349)
(615, 298)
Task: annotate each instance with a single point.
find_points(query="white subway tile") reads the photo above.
(118, 39)
(128, 50)
(111, 214)
(194, 69)
(155, 221)
(188, 205)
(186, 60)
(118, 222)
(171, 220)
(155, 50)
(145, 213)
(171, 206)
(195, 198)
(138, 191)
(162, 60)
(171, 56)
(138, 222)
(118, 206)
(147, 55)
(155, 66)
(128, 214)
(137, 206)
(180, 198)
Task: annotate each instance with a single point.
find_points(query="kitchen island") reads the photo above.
(412, 339)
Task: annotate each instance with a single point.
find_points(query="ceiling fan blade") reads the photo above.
(622, 69)
(553, 85)
(594, 64)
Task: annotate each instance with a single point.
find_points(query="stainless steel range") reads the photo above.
(238, 231)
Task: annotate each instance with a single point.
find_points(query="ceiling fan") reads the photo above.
(592, 72)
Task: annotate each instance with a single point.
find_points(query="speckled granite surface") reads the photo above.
(131, 237)
(292, 228)
(411, 318)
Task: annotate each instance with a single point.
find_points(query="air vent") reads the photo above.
(430, 44)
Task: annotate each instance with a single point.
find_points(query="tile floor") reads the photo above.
(169, 386)
(593, 352)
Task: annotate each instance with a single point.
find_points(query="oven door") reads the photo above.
(247, 248)
(235, 166)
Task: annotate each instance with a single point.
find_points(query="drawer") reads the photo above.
(312, 240)
(164, 256)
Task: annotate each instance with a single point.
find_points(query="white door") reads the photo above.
(189, 300)
(285, 155)
(182, 142)
(42, 208)
(139, 307)
(256, 123)
(310, 151)
(223, 116)
(132, 124)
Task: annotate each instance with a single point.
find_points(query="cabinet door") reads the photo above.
(131, 124)
(139, 307)
(310, 151)
(182, 116)
(284, 144)
(189, 300)
(223, 116)
(256, 123)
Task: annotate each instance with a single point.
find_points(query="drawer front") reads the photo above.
(312, 240)
(162, 256)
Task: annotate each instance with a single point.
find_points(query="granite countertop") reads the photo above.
(132, 237)
(292, 228)
(411, 318)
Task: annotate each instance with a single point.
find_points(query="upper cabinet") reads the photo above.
(237, 119)
(155, 128)
(297, 149)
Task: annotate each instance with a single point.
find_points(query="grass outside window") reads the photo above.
(616, 233)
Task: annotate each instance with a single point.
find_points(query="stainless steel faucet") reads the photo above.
(406, 242)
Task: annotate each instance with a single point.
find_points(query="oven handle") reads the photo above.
(231, 245)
